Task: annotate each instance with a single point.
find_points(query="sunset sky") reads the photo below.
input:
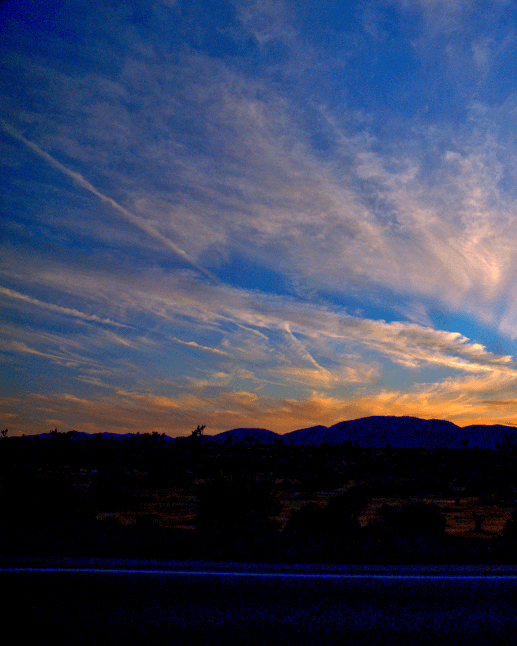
(265, 214)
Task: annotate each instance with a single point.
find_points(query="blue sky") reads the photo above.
(264, 214)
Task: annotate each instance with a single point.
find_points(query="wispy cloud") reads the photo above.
(57, 308)
(196, 346)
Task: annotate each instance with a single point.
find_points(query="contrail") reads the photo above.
(300, 349)
(56, 308)
(193, 344)
(138, 221)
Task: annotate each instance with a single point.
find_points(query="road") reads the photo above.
(133, 602)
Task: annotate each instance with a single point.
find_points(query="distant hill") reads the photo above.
(311, 436)
(77, 436)
(411, 432)
(374, 431)
(379, 432)
(247, 435)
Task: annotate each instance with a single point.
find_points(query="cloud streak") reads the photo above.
(136, 220)
(10, 293)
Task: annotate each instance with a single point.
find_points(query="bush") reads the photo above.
(338, 517)
(39, 504)
(413, 518)
(309, 519)
(239, 505)
(350, 503)
(510, 528)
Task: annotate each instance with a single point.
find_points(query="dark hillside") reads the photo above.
(401, 432)
(307, 436)
(375, 432)
(244, 435)
(410, 432)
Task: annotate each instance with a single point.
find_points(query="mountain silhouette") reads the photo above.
(379, 432)
(246, 435)
(373, 431)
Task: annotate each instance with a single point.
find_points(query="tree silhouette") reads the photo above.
(338, 517)
(38, 503)
(308, 519)
(413, 518)
(478, 519)
(239, 505)
(507, 444)
(197, 434)
(510, 528)
(344, 509)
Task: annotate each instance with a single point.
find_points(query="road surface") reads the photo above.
(133, 602)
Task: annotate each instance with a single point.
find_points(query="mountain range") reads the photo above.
(379, 432)
(374, 431)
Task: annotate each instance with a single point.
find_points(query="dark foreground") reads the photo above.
(130, 602)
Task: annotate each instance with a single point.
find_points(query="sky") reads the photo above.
(270, 213)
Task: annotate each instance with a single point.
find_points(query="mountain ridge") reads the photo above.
(376, 431)
(380, 432)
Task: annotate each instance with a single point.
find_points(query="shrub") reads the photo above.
(413, 518)
(236, 505)
(338, 517)
(342, 511)
(308, 519)
(510, 528)
(36, 504)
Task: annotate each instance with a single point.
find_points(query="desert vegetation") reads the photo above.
(146, 497)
